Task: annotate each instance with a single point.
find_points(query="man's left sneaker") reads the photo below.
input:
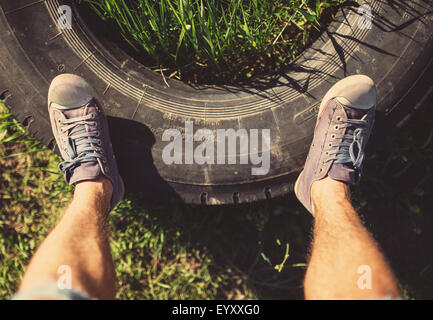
(81, 131)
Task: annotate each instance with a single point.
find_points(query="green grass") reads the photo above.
(232, 39)
(247, 252)
(158, 250)
(31, 194)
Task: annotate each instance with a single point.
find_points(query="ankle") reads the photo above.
(327, 191)
(100, 190)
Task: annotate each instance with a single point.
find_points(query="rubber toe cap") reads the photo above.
(70, 91)
(357, 91)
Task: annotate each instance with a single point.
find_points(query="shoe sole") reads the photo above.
(118, 173)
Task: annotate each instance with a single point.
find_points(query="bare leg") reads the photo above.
(80, 242)
(342, 248)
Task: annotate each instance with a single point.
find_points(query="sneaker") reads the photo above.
(80, 128)
(343, 127)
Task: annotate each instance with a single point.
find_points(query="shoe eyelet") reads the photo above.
(330, 145)
(333, 136)
(336, 127)
(327, 153)
(338, 118)
(321, 170)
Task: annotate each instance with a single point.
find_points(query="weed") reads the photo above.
(233, 40)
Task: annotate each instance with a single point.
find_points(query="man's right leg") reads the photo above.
(343, 252)
(341, 246)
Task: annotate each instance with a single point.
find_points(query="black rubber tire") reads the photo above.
(396, 52)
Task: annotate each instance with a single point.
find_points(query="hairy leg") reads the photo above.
(79, 241)
(343, 251)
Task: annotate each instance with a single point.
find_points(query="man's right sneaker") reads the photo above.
(344, 124)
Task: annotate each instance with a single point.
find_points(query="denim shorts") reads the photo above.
(50, 291)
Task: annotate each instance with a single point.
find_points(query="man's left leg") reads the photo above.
(80, 243)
